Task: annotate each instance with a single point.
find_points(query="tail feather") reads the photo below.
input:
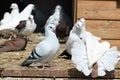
(86, 70)
(109, 60)
(79, 57)
(28, 61)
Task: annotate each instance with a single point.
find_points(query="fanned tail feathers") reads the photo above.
(108, 61)
(79, 57)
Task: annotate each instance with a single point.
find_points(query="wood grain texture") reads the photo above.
(114, 43)
(98, 9)
(104, 28)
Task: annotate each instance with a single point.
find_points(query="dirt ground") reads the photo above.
(13, 60)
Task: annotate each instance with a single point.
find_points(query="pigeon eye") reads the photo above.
(51, 27)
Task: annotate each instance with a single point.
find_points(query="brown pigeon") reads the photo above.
(16, 44)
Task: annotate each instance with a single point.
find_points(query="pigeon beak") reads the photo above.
(33, 7)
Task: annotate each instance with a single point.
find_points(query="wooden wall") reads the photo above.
(102, 18)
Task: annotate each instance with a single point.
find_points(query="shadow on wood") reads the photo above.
(74, 73)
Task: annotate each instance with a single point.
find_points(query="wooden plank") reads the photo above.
(114, 43)
(71, 73)
(97, 4)
(99, 14)
(94, 10)
(104, 29)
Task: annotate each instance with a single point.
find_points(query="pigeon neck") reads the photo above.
(57, 14)
(77, 31)
(49, 32)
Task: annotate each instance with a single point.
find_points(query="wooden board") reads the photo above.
(104, 29)
(99, 9)
(114, 43)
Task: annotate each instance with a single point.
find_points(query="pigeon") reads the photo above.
(24, 15)
(9, 16)
(90, 56)
(16, 44)
(15, 10)
(27, 27)
(46, 49)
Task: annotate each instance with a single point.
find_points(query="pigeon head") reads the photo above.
(14, 6)
(21, 25)
(58, 10)
(83, 28)
(32, 6)
(79, 25)
(82, 20)
(58, 7)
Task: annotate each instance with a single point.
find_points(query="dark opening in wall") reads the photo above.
(43, 9)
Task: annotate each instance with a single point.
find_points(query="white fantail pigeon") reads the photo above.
(24, 15)
(15, 10)
(26, 27)
(90, 55)
(7, 17)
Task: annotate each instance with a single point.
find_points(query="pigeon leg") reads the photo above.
(43, 66)
(49, 65)
(94, 73)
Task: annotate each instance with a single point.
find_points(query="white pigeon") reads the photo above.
(6, 18)
(24, 15)
(54, 18)
(90, 55)
(46, 49)
(28, 28)
(15, 10)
